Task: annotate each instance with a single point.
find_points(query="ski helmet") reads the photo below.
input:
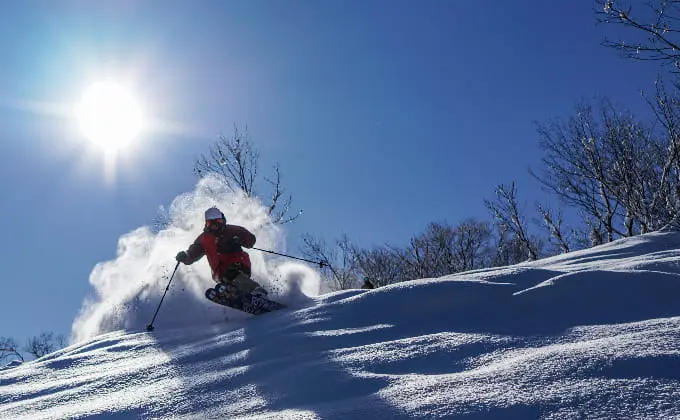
(213, 213)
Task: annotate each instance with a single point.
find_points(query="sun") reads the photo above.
(109, 116)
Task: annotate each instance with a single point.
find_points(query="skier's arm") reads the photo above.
(195, 251)
(245, 238)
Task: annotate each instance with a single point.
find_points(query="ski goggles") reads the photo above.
(214, 222)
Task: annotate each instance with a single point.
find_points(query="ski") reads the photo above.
(242, 301)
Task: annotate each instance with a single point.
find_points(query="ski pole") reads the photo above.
(321, 263)
(150, 326)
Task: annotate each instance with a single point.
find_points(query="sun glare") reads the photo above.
(109, 116)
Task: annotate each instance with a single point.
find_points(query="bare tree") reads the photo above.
(435, 245)
(429, 254)
(580, 235)
(653, 35)
(645, 163)
(236, 161)
(60, 341)
(382, 265)
(665, 171)
(596, 236)
(613, 168)
(8, 350)
(553, 222)
(654, 26)
(339, 261)
(625, 142)
(43, 344)
(509, 249)
(413, 259)
(443, 249)
(471, 244)
(577, 169)
(506, 212)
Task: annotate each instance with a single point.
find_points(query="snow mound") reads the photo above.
(590, 334)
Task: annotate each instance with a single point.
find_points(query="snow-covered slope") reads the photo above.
(590, 334)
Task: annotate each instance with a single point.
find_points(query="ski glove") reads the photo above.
(182, 257)
(236, 240)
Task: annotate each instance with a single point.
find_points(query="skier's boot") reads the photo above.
(226, 290)
(236, 276)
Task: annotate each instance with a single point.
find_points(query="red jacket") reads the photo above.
(221, 250)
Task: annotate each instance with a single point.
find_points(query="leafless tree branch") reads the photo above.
(236, 161)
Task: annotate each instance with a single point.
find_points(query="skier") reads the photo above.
(221, 244)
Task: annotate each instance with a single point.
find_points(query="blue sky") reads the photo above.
(384, 116)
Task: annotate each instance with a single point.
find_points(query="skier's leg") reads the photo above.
(244, 283)
(238, 275)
